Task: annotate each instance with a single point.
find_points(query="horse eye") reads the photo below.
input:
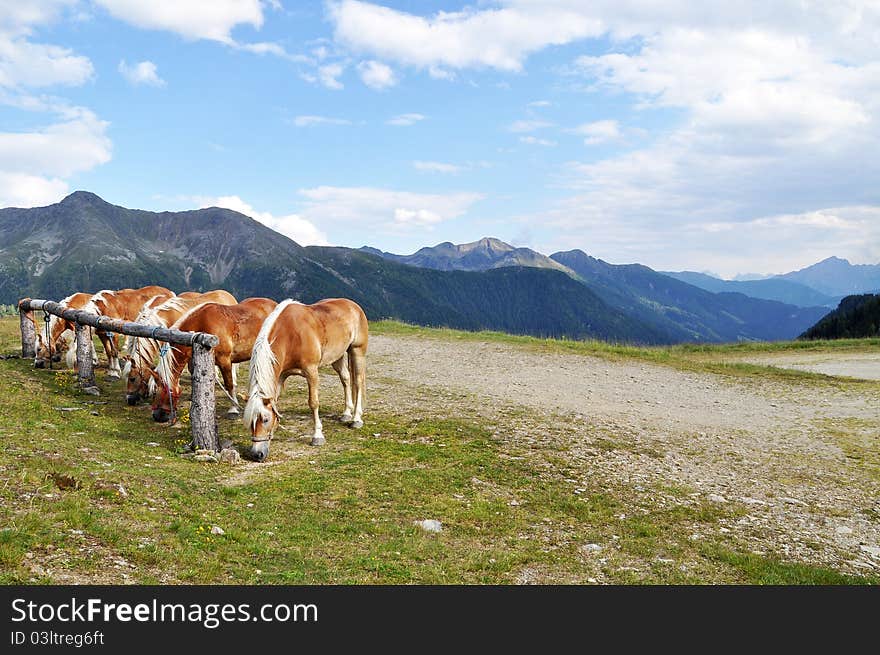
(265, 420)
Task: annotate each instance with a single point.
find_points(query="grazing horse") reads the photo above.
(124, 304)
(143, 351)
(236, 326)
(51, 346)
(295, 340)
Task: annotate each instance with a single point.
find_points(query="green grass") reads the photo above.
(342, 513)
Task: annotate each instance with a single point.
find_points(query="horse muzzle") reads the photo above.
(132, 398)
(258, 451)
(56, 358)
(161, 415)
(39, 363)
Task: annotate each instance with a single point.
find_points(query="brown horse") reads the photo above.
(295, 340)
(124, 304)
(236, 326)
(51, 347)
(143, 351)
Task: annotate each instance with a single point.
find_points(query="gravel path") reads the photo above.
(865, 366)
(802, 460)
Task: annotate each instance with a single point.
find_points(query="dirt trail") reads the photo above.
(803, 460)
(861, 365)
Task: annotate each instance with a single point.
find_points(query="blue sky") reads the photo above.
(711, 136)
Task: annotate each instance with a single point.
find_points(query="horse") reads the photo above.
(295, 340)
(49, 345)
(236, 326)
(124, 304)
(142, 351)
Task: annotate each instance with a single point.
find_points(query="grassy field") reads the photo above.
(99, 494)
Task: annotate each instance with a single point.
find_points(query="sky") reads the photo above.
(713, 136)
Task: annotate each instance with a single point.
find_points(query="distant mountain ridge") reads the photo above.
(481, 255)
(85, 244)
(773, 288)
(686, 312)
(837, 277)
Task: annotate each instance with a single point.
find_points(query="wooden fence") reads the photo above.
(202, 412)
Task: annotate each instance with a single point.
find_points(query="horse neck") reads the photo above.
(179, 357)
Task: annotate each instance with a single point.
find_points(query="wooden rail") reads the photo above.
(203, 408)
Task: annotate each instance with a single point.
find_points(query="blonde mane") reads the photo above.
(92, 306)
(263, 381)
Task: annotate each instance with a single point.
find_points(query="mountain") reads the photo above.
(837, 277)
(482, 255)
(857, 316)
(685, 312)
(85, 244)
(774, 288)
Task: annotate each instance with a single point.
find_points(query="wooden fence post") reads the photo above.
(84, 364)
(202, 413)
(28, 333)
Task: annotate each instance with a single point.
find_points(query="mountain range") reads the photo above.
(85, 243)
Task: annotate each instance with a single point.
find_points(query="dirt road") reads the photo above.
(801, 460)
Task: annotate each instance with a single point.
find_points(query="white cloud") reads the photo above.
(376, 75)
(598, 131)
(311, 121)
(34, 164)
(382, 209)
(496, 38)
(142, 73)
(404, 120)
(77, 143)
(529, 125)
(26, 64)
(540, 103)
(535, 141)
(293, 226)
(22, 190)
(436, 167)
(191, 19)
(327, 75)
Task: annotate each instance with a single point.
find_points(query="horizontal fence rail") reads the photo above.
(202, 409)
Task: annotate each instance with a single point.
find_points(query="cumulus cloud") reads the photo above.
(141, 73)
(376, 75)
(27, 64)
(35, 163)
(293, 226)
(382, 209)
(191, 19)
(405, 120)
(495, 38)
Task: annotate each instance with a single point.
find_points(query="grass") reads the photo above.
(720, 359)
(84, 498)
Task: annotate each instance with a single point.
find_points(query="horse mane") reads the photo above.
(263, 381)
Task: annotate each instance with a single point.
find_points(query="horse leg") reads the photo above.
(357, 361)
(312, 377)
(228, 386)
(113, 370)
(341, 368)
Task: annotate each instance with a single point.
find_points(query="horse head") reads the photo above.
(262, 416)
(167, 399)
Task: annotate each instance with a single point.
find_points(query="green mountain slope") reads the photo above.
(84, 243)
(856, 317)
(782, 290)
(684, 311)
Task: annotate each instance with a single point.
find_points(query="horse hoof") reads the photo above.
(232, 413)
(357, 425)
(112, 376)
(346, 418)
(318, 441)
